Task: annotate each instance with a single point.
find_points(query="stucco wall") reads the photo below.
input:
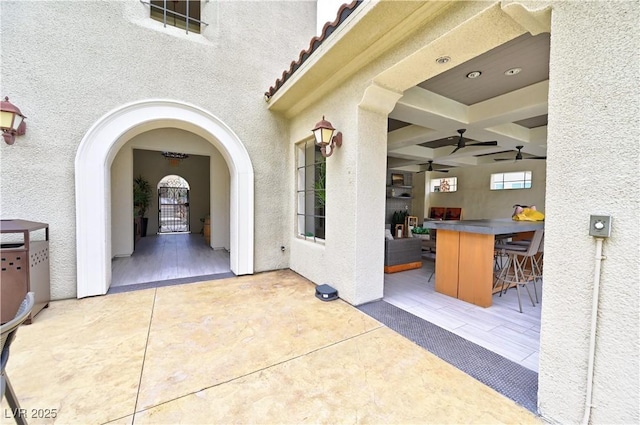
(592, 168)
(356, 185)
(593, 153)
(67, 63)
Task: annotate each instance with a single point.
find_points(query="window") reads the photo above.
(516, 180)
(448, 184)
(311, 195)
(183, 14)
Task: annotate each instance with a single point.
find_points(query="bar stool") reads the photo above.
(522, 267)
(535, 262)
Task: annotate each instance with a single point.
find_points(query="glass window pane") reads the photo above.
(311, 196)
(449, 184)
(513, 180)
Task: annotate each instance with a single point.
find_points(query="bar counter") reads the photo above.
(464, 255)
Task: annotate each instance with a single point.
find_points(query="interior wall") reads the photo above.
(219, 207)
(476, 198)
(122, 203)
(205, 170)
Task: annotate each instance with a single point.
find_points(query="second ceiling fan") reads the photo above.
(519, 156)
(463, 144)
(430, 168)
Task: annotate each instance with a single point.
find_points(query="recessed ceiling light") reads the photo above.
(474, 74)
(512, 71)
(443, 59)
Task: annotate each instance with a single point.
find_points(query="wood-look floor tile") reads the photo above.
(518, 334)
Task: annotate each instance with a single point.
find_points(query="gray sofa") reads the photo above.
(402, 251)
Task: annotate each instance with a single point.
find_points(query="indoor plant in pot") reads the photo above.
(141, 201)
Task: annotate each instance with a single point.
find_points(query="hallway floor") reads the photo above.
(167, 257)
(250, 349)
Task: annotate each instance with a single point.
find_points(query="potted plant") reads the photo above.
(420, 232)
(141, 202)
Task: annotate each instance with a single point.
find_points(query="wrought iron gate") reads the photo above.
(173, 211)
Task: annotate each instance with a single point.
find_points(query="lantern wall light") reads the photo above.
(11, 121)
(323, 132)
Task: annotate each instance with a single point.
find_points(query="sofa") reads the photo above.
(402, 254)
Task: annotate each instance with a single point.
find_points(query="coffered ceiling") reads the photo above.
(506, 103)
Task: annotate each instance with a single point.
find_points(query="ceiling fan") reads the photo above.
(430, 168)
(519, 156)
(462, 143)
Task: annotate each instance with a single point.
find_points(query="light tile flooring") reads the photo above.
(255, 349)
(170, 256)
(500, 328)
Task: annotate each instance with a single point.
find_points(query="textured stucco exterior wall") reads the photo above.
(593, 153)
(353, 254)
(592, 168)
(67, 63)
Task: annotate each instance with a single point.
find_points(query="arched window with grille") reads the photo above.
(173, 205)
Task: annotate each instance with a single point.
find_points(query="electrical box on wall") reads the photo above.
(600, 226)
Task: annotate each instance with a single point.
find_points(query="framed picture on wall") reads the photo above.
(397, 179)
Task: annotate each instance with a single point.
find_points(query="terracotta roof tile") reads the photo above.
(344, 11)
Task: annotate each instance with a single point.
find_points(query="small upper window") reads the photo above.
(183, 14)
(515, 180)
(448, 184)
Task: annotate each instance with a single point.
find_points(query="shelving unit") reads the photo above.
(398, 183)
(392, 192)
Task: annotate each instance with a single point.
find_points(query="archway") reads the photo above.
(92, 165)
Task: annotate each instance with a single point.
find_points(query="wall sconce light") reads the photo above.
(11, 121)
(323, 132)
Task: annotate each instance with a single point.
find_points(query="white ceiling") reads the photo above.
(510, 109)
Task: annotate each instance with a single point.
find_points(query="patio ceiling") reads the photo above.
(509, 109)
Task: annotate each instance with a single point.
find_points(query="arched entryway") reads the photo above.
(93, 160)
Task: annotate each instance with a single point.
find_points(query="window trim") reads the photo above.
(301, 214)
(524, 180)
(166, 10)
(432, 186)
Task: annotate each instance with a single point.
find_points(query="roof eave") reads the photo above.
(351, 47)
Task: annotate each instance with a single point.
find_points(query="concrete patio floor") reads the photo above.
(255, 349)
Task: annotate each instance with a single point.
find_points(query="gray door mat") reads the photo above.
(506, 377)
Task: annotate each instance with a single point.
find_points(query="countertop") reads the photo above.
(487, 227)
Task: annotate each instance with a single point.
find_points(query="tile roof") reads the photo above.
(344, 11)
